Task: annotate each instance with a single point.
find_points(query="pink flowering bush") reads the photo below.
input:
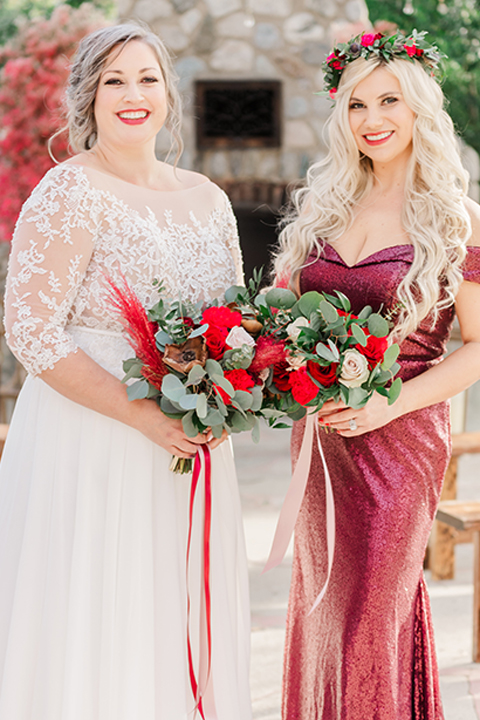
(32, 80)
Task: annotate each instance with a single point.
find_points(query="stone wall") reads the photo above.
(285, 40)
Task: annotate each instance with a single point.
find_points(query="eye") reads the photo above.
(356, 105)
(113, 81)
(150, 79)
(390, 100)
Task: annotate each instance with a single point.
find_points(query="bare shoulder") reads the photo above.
(189, 178)
(473, 210)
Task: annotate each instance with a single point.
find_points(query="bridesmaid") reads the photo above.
(385, 219)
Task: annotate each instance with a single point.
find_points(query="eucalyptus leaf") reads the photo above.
(357, 397)
(222, 408)
(132, 368)
(240, 423)
(233, 292)
(198, 331)
(309, 302)
(213, 417)
(334, 349)
(391, 354)
(328, 312)
(377, 325)
(225, 384)
(272, 413)
(162, 338)
(213, 368)
(297, 413)
(196, 375)
(171, 409)
(394, 391)
(344, 301)
(324, 352)
(217, 431)
(260, 301)
(280, 298)
(281, 426)
(365, 313)
(257, 398)
(358, 334)
(188, 401)
(256, 432)
(202, 406)
(244, 399)
(189, 428)
(138, 390)
(237, 406)
(173, 388)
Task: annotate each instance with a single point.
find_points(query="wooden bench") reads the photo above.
(464, 516)
(441, 553)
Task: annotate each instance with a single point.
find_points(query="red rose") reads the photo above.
(419, 52)
(222, 317)
(368, 39)
(332, 93)
(324, 374)
(215, 338)
(374, 350)
(303, 389)
(281, 377)
(240, 379)
(411, 49)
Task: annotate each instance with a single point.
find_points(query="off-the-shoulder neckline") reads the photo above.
(83, 169)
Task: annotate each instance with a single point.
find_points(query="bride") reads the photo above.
(93, 524)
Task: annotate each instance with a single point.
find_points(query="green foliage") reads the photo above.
(456, 31)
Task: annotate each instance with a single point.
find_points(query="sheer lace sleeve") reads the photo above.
(232, 241)
(51, 248)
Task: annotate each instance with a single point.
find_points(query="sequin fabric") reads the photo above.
(367, 652)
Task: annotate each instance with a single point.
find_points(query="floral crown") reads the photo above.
(384, 47)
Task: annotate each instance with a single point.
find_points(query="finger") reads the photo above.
(215, 442)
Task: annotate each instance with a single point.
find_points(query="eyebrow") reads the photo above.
(120, 72)
(386, 94)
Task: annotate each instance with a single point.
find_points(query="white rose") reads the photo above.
(295, 361)
(238, 336)
(354, 369)
(295, 328)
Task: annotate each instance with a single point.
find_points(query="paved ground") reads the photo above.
(264, 474)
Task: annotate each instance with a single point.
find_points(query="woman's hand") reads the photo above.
(375, 414)
(164, 431)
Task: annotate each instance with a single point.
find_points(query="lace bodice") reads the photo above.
(79, 225)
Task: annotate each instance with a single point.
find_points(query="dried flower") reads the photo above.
(183, 357)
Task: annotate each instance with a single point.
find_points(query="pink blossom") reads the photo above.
(332, 92)
(368, 39)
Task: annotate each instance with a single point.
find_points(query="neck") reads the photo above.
(391, 176)
(137, 164)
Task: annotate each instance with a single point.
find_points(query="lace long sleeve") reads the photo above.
(51, 249)
(232, 241)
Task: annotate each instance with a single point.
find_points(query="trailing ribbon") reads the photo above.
(202, 462)
(293, 501)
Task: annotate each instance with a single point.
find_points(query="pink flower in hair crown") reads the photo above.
(368, 39)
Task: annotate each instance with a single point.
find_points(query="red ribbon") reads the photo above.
(202, 458)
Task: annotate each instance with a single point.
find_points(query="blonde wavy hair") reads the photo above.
(88, 64)
(434, 214)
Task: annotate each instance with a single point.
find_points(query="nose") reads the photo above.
(133, 92)
(373, 119)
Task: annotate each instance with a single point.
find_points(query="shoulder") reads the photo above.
(473, 210)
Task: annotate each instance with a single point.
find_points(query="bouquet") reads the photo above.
(271, 355)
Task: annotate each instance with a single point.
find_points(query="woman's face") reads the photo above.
(380, 119)
(131, 103)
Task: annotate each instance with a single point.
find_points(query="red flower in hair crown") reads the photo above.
(413, 47)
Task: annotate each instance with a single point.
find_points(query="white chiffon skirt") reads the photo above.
(93, 531)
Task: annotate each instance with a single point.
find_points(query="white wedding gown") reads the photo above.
(93, 524)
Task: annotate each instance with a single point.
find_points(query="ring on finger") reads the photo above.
(352, 424)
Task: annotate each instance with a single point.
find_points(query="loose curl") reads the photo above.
(434, 214)
(89, 63)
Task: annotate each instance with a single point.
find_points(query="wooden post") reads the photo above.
(442, 544)
(476, 598)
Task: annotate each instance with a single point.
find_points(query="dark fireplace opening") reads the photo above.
(238, 114)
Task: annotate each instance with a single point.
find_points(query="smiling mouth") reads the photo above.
(133, 114)
(378, 137)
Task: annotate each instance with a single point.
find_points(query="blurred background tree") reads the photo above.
(453, 25)
(14, 13)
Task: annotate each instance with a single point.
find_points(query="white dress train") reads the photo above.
(93, 525)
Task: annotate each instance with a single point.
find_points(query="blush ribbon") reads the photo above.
(293, 501)
(202, 462)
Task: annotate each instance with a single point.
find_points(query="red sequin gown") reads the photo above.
(367, 652)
